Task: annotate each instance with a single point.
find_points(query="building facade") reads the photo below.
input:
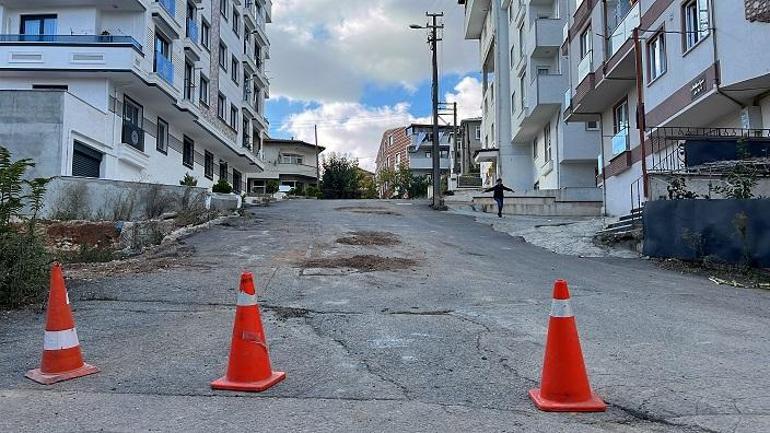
(136, 90)
(468, 143)
(293, 164)
(528, 144)
(656, 73)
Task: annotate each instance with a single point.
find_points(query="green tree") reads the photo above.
(386, 182)
(271, 187)
(340, 178)
(368, 186)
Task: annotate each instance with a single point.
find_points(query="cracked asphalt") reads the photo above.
(451, 344)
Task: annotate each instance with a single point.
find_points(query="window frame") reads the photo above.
(205, 34)
(233, 123)
(191, 163)
(234, 75)
(617, 127)
(656, 45)
(208, 165)
(547, 143)
(693, 37)
(221, 106)
(224, 8)
(41, 18)
(203, 96)
(236, 23)
(166, 136)
(223, 56)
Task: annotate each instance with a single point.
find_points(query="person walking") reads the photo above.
(499, 190)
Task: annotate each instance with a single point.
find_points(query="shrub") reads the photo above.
(312, 191)
(271, 187)
(23, 258)
(188, 180)
(222, 187)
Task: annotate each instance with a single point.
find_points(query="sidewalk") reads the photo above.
(563, 235)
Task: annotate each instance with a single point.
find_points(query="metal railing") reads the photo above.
(585, 66)
(164, 68)
(624, 30)
(192, 30)
(72, 40)
(169, 6)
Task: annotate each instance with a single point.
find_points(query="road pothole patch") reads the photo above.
(362, 263)
(369, 238)
(368, 210)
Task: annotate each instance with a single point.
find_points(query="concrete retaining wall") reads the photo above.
(548, 202)
(100, 199)
(698, 184)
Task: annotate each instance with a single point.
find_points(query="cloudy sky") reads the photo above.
(355, 69)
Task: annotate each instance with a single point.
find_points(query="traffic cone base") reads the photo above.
(259, 386)
(594, 404)
(49, 379)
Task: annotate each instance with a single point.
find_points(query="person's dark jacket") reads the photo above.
(499, 190)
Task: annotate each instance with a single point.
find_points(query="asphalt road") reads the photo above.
(451, 344)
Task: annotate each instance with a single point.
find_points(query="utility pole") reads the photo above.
(433, 39)
(317, 159)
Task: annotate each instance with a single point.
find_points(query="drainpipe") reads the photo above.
(641, 115)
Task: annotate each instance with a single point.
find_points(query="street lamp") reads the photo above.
(433, 40)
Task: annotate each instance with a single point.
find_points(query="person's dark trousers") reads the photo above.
(499, 207)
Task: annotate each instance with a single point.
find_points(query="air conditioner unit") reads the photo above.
(133, 135)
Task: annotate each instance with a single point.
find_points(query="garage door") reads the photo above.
(85, 161)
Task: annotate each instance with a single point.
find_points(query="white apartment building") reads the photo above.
(526, 142)
(659, 74)
(136, 90)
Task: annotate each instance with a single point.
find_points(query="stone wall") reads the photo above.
(758, 10)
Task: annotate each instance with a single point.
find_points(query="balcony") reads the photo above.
(475, 14)
(115, 5)
(286, 169)
(190, 43)
(250, 14)
(620, 142)
(418, 161)
(544, 99)
(624, 30)
(164, 68)
(169, 6)
(585, 66)
(70, 52)
(164, 15)
(545, 37)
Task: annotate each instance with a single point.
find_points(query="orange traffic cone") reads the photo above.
(564, 385)
(249, 365)
(62, 359)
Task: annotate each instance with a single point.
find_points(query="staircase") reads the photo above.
(626, 232)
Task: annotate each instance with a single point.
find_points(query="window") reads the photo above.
(133, 119)
(38, 25)
(221, 102)
(161, 143)
(223, 9)
(523, 90)
(208, 165)
(444, 154)
(478, 133)
(188, 153)
(543, 70)
(547, 141)
(398, 159)
(695, 22)
(233, 117)
(586, 44)
(236, 23)
(234, 69)
(223, 56)
(237, 187)
(521, 39)
(86, 162)
(162, 49)
(429, 155)
(390, 140)
(656, 56)
(63, 87)
(288, 158)
(205, 34)
(592, 126)
(189, 80)
(203, 90)
(223, 171)
(620, 116)
(245, 128)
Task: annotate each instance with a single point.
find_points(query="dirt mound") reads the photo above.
(363, 263)
(369, 210)
(370, 238)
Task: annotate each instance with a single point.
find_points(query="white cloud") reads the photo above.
(355, 129)
(327, 50)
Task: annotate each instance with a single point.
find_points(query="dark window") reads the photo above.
(234, 69)
(237, 188)
(38, 25)
(189, 80)
(246, 138)
(208, 165)
(233, 117)
(162, 136)
(223, 9)
(133, 134)
(236, 23)
(223, 171)
(86, 162)
(162, 48)
(205, 34)
(204, 91)
(50, 87)
(221, 102)
(188, 154)
(223, 56)
(620, 116)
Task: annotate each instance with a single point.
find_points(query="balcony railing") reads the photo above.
(164, 68)
(568, 99)
(585, 66)
(192, 30)
(625, 29)
(71, 40)
(169, 6)
(620, 142)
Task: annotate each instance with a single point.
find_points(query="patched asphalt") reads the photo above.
(452, 343)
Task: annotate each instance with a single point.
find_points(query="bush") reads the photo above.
(271, 187)
(23, 258)
(312, 191)
(188, 180)
(222, 187)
